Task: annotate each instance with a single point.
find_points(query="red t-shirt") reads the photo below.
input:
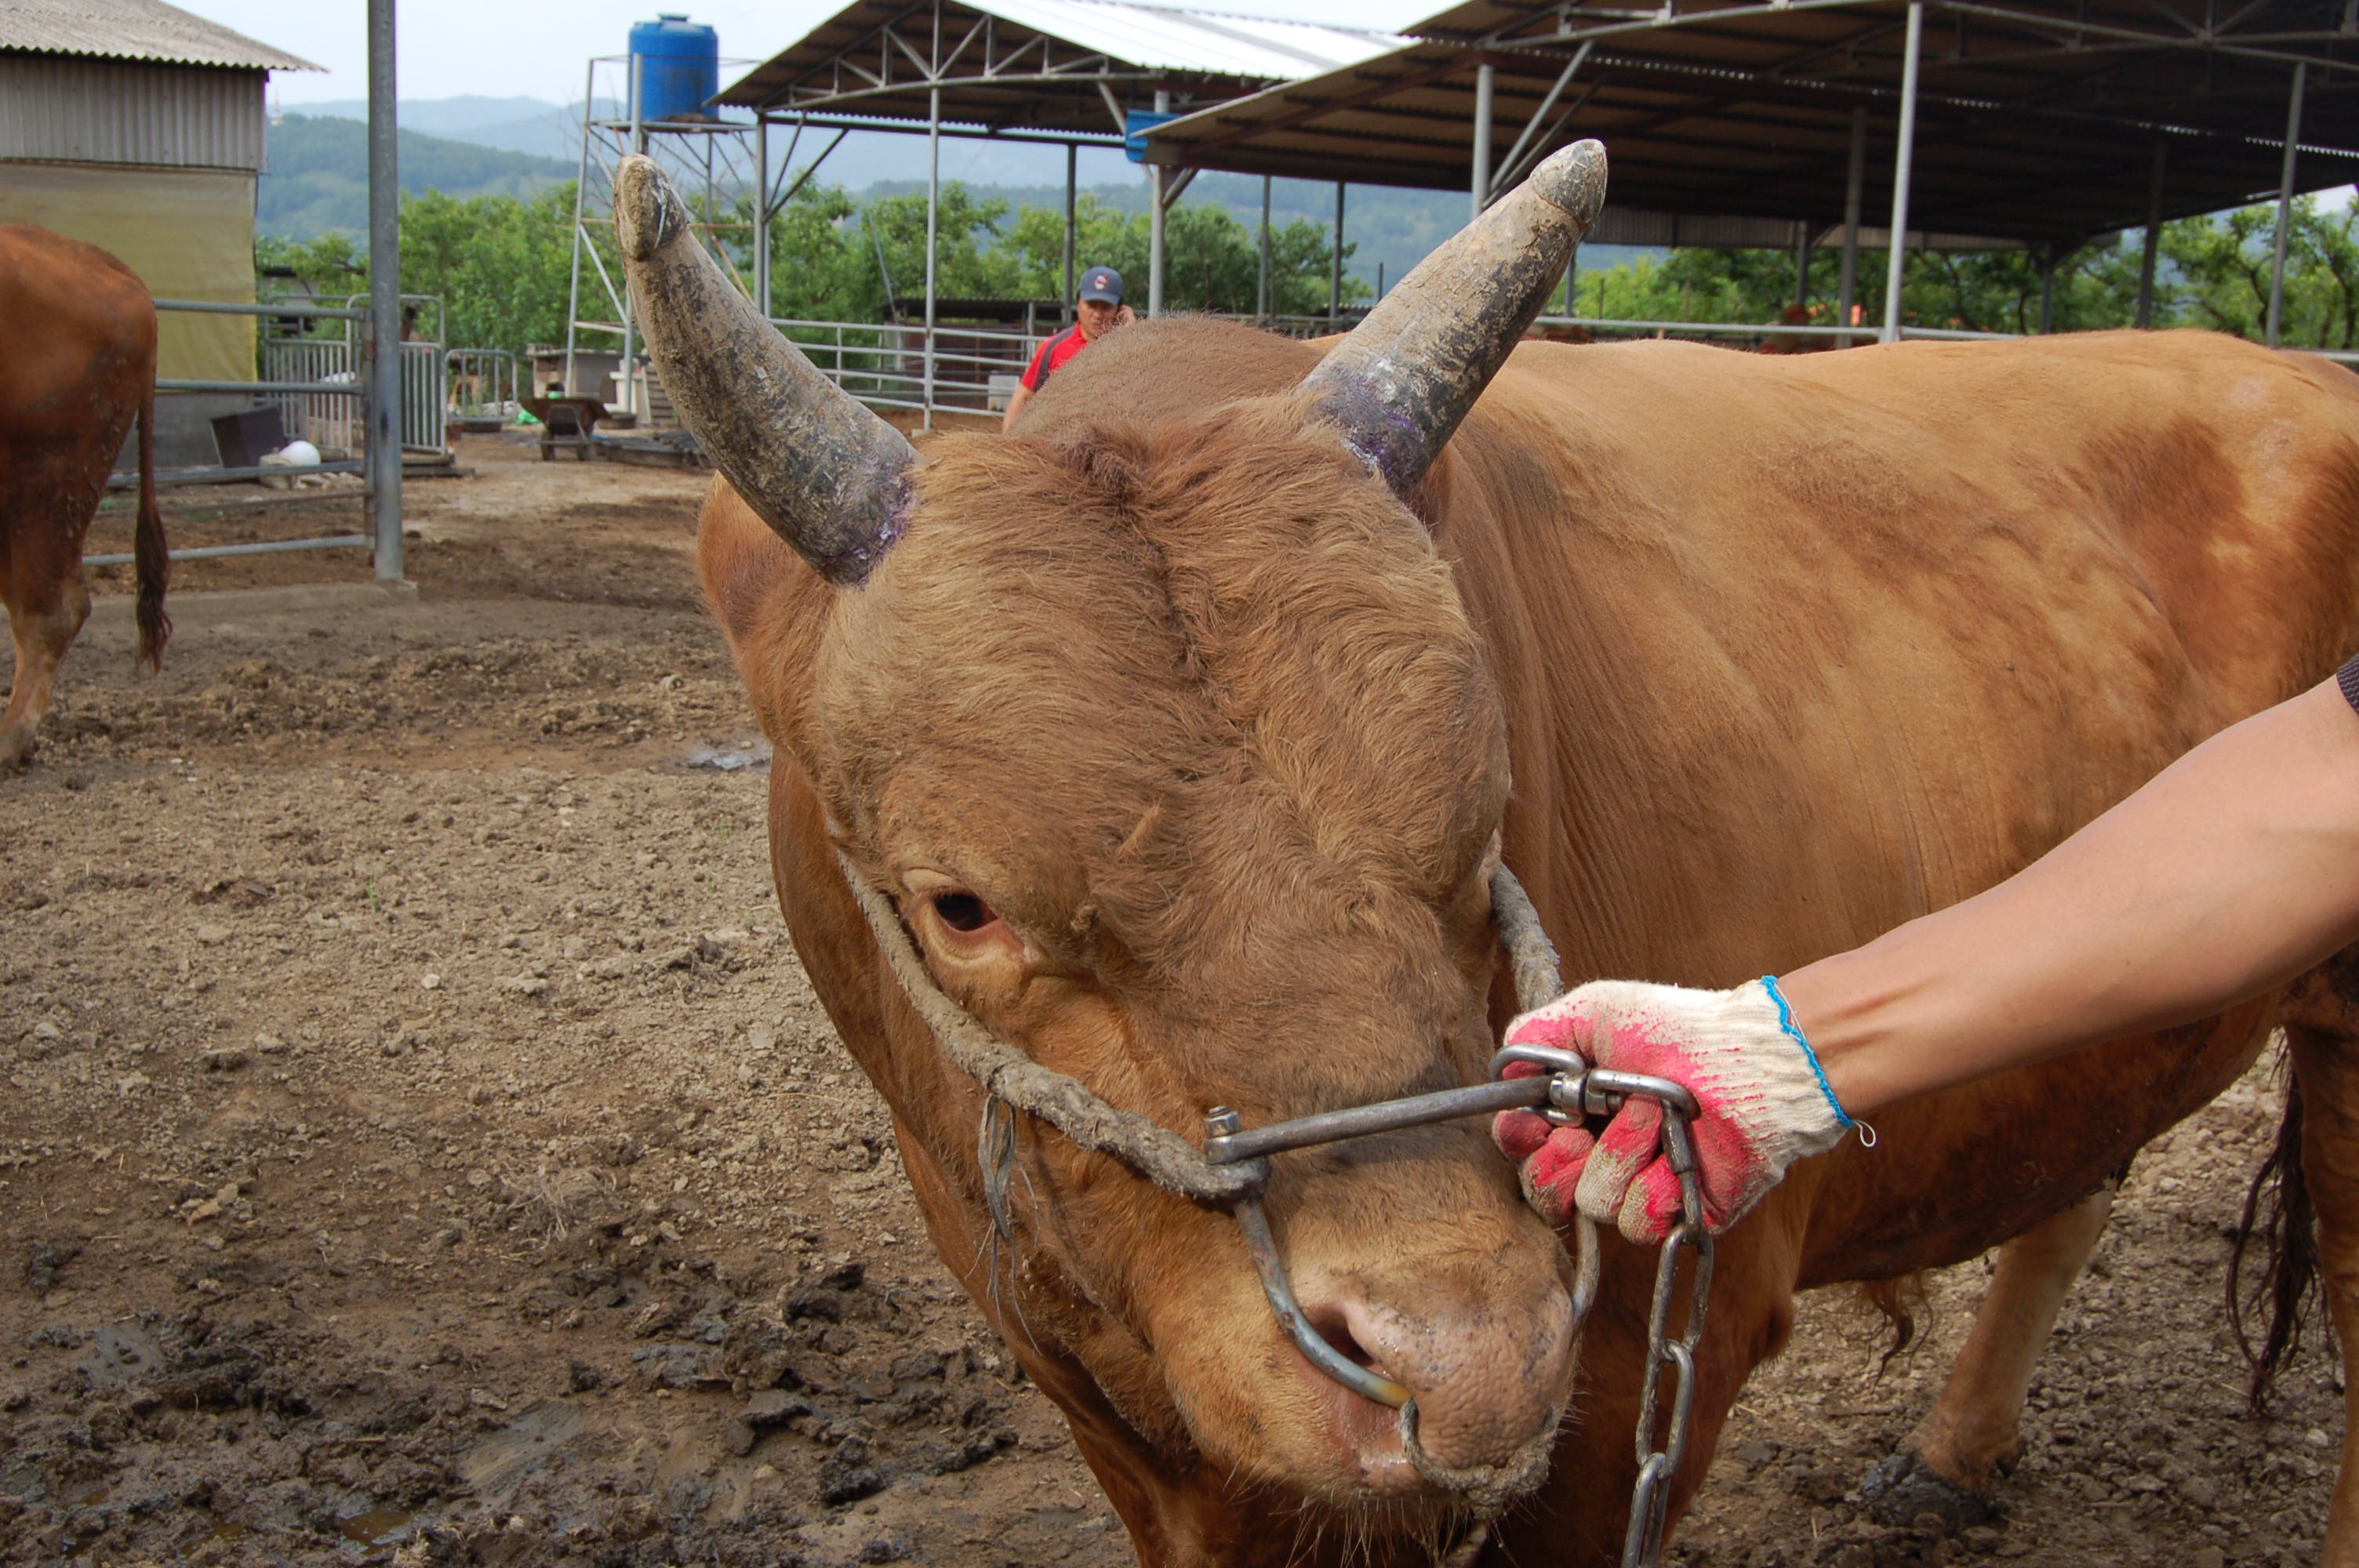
(1052, 355)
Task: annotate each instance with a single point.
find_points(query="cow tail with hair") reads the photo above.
(2289, 1282)
(151, 559)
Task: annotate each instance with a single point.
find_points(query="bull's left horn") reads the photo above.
(830, 478)
(1405, 377)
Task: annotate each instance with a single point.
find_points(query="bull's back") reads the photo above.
(1803, 648)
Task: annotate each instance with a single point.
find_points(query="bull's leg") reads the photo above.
(1951, 1462)
(2321, 1024)
(43, 625)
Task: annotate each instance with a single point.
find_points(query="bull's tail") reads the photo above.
(2289, 1281)
(151, 559)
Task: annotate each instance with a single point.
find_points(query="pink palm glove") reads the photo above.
(1765, 1103)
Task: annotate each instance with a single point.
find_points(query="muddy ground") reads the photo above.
(420, 1144)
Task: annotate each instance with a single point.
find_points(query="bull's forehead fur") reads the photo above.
(1173, 686)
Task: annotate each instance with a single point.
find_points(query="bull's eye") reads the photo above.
(962, 911)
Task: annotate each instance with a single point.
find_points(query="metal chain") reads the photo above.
(1650, 1497)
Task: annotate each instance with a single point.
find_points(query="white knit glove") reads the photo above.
(1765, 1103)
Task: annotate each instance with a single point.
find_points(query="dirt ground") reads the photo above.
(421, 1145)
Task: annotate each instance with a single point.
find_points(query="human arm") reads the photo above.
(2234, 869)
(1015, 401)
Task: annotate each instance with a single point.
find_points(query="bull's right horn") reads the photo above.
(1405, 377)
(830, 478)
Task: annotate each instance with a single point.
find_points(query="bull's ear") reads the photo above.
(1405, 377)
(828, 476)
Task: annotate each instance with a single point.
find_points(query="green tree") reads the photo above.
(1212, 261)
(500, 266)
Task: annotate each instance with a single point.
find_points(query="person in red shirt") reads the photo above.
(1098, 310)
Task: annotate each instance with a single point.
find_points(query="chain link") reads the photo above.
(1650, 1497)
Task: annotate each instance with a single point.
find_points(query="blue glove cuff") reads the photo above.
(1786, 1023)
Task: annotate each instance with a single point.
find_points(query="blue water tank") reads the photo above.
(678, 65)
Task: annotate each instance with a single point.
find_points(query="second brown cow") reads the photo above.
(78, 337)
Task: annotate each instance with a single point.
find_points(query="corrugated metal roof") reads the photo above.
(1743, 108)
(1173, 39)
(134, 30)
(1040, 64)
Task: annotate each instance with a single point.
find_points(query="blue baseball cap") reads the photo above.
(1101, 283)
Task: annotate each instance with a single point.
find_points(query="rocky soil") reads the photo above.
(418, 1142)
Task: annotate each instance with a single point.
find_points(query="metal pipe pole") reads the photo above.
(1335, 271)
(933, 205)
(1903, 152)
(762, 214)
(384, 296)
(1073, 156)
(1154, 223)
(1802, 269)
(1261, 296)
(625, 384)
(2153, 246)
(2046, 289)
(1855, 194)
(2284, 206)
(581, 192)
(1485, 85)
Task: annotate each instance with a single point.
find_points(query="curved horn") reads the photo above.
(1405, 377)
(830, 478)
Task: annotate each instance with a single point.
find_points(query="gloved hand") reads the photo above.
(1765, 1103)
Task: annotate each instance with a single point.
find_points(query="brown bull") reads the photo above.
(1184, 727)
(78, 340)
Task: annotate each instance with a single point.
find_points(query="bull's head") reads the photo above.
(1174, 748)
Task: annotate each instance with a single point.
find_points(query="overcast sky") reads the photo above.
(539, 48)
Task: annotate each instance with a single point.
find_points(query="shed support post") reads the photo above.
(762, 214)
(625, 384)
(385, 297)
(1261, 296)
(1802, 269)
(2046, 289)
(1154, 223)
(2284, 206)
(573, 284)
(1903, 151)
(1854, 194)
(1335, 268)
(1485, 82)
(2153, 246)
(1572, 283)
(1072, 154)
(933, 206)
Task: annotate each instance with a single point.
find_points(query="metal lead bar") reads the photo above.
(1385, 1116)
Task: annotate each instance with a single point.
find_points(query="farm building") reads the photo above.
(138, 127)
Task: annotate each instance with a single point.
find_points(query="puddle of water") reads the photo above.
(224, 1532)
(730, 759)
(120, 1353)
(378, 1527)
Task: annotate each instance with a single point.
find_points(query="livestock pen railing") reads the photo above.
(316, 384)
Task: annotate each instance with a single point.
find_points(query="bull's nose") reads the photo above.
(1489, 1379)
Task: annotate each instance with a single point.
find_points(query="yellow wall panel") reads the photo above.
(188, 232)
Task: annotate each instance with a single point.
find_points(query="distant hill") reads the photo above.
(317, 177)
(473, 146)
(531, 126)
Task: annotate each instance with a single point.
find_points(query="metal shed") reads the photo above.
(138, 127)
(1077, 73)
(2040, 123)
